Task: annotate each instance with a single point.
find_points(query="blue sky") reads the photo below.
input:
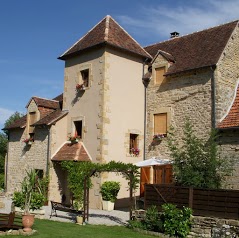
(34, 33)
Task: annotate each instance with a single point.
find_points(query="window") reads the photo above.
(159, 75)
(32, 120)
(78, 129)
(160, 123)
(133, 144)
(85, 77)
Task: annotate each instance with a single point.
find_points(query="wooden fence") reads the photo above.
(204, 202)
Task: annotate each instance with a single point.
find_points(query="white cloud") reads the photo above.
(5, 114)
(158, 21)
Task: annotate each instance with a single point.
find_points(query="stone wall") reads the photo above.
(183, 96)
(214, 227)
(227, 75)
(22, 157)
(229, 147)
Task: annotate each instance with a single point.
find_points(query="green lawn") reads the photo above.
(47, 228)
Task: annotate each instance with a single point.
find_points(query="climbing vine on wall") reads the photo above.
(79, 171)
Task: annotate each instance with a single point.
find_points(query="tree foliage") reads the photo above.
(15, 116)
(198, 162)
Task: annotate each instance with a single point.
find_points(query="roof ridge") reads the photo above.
(45, 98)
(130, 36)
(206, 29)
(84, 36)
(107, 23)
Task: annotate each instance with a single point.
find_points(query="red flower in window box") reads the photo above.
(28, 141)
(80, 86)
(135, 151)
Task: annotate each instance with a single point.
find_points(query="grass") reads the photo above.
(47, 228)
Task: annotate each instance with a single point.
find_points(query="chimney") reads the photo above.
(174, 34)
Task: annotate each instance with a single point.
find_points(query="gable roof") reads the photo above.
(43, 102)
(232, 118)
(19, 123)
(72, 152)
(196, 50)
(108, 32)
(51, 118)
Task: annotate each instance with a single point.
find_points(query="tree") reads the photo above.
(15, 116)
(197, 162)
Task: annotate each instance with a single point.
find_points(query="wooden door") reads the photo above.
(144, 178)
(163, 174)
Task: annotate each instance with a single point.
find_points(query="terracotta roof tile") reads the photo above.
(51, 118)
(109, 32)
(20, 123)
(197, 50)
(232, 118)
(73, 152)
(47, 103)
(45, 111)
(59, 98)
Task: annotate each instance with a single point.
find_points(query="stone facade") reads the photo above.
(26, 157)
(214, 227)
(182, 96)
(189, 95)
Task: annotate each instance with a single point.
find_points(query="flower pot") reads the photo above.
(79, 220)
(108, 205)
(27, 222)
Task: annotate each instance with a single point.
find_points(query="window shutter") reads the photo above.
(160, 123)
(159, 75)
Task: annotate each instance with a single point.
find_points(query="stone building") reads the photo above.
(194, 76)
(102, 104)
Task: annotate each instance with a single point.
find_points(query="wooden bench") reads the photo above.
(10, 221)
(57, 206)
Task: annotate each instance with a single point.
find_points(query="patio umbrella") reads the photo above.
(153, 161)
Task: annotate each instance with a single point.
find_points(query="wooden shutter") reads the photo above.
(160, 123)
(144, 178)
(159, 73)
(163, 174)
(32, 120)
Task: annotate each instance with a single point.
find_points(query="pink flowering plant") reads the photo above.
(28, 140)
(135, 151)
(80, 86)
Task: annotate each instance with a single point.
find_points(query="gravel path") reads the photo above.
(96, 217)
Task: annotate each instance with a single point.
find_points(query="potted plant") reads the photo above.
(109, 191)
(29, 198)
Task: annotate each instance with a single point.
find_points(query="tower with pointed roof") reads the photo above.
(104, 94)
